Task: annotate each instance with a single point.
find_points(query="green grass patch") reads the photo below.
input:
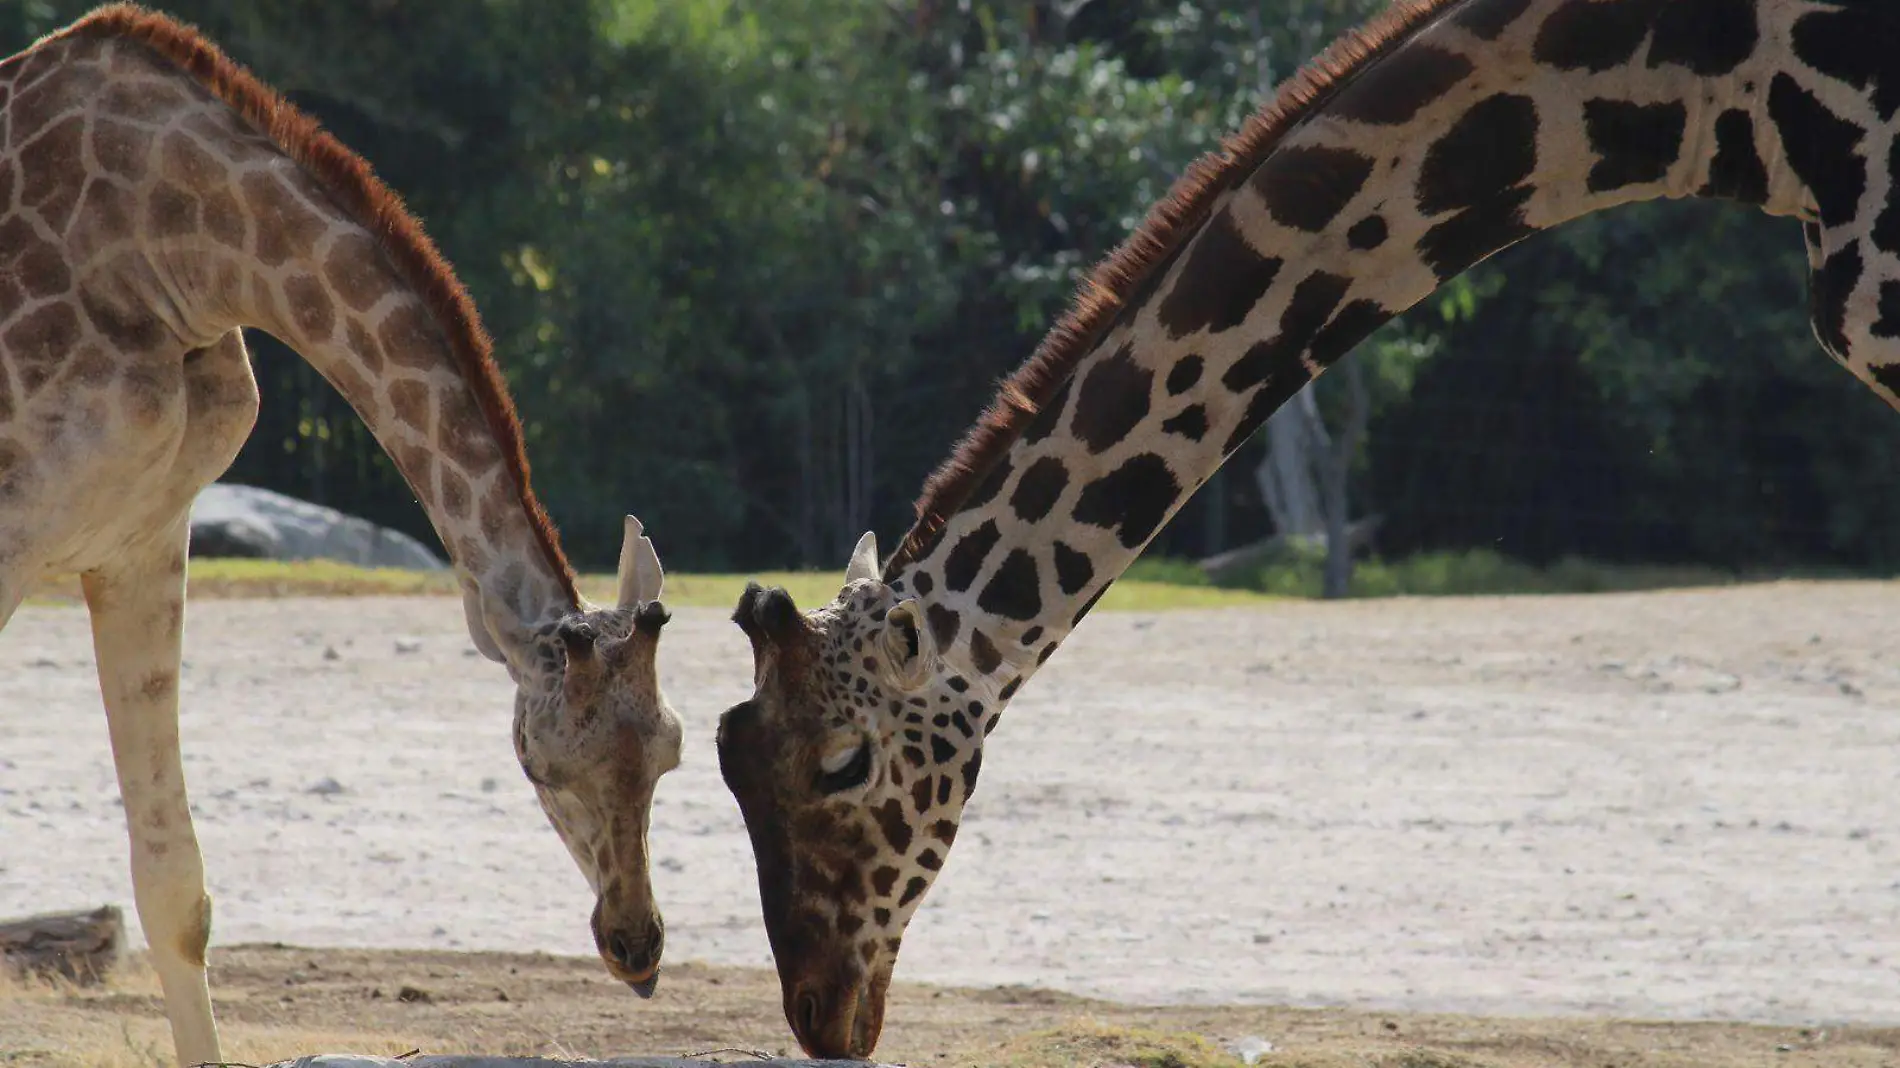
(1151, 585)
(1475, 572)
(232, 579)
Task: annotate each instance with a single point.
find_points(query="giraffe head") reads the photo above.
(594, 734)
(851, 764)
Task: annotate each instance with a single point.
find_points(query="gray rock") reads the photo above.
(349, 1060)
(245, 521)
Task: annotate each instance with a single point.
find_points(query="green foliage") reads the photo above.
(752, 265)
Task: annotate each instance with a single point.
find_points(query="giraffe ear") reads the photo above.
(641, 577)
(909, 648)
(863, 563)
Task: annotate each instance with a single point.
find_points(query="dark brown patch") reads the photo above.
(1634, 143)
(349, 184)
(1306, 313)
(1073, 569)
(1133, 499)
(883, 881)
(1488, 19)
(286, 227)
(966, 557)
(171, 212)
(1038, 490)
(1014, 591)
(1112, 402)
(46, 169)
(410, 400)
(455, 493)
(1822, 149)
(310, 308)
(1401, 85)
(184, 161)
(354, 270)
(368, 350)
(1229, 277)
(1709, 37)
(890, 818)
(1490, 149)
(1185, 372)
(38, 343)
(1367, 234)
(983, 654)
(1307, 186)
(944, 624)
(1737, 172)
(409, 337)
(1190, 423)
(1593, 35)
(225, 221)
(121, 148)
(107, 209)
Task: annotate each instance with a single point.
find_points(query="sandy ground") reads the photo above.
(1673, 805)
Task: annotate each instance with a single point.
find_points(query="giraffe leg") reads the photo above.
(137, 607)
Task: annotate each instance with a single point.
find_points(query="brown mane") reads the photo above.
(1102, 297)
(356, 189)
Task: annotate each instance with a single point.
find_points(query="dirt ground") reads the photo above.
(1672, 806)
(276, 1002)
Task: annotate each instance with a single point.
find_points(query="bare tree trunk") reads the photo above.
(1338, 472)
(1288, 473)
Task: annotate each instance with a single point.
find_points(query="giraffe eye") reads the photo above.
(845, 770)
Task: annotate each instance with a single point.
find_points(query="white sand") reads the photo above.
(1675, 805)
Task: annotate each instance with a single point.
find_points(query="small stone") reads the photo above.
(1251, 1048)
(412, 995)
(488, 785)
(327, 787)
(330, 653)
(408, 645)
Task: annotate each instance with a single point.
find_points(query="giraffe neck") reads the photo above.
(214, 205)
(1477, 124)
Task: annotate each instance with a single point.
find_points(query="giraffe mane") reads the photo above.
(1122, 279)
(353, 187)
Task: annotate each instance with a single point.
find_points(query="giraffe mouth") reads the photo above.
(841, 1024)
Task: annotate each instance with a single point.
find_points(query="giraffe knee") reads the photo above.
(195, 937)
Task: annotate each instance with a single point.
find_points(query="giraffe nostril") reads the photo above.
(808, 1018)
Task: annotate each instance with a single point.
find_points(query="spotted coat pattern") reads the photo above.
(1448, 131)
(154, 200)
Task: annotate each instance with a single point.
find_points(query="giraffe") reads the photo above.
(1439, 133)
(156, 198)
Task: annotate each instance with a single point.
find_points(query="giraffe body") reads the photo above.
(155, 200)
(1447, 130)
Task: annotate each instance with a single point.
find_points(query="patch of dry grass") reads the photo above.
(281, 1002)
(1091, 1042)
(120, 1023)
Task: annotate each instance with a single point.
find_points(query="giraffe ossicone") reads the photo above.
(1444, 131)
(155, 200)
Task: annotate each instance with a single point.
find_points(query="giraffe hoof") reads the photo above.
(644, 987)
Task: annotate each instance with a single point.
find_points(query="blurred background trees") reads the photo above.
(752, 266)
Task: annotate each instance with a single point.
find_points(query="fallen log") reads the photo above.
(80, 946)
(1234, 563)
